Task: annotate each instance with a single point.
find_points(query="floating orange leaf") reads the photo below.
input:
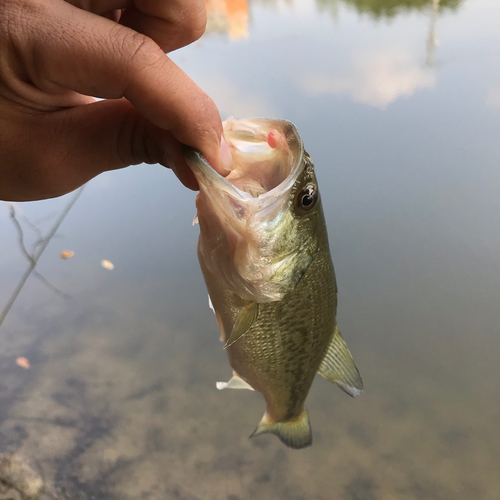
(23, 363)
(107, 264)
(67, 254)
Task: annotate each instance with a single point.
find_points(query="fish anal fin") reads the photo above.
(244, 322)
(295, 433)
(235, 382)
(338, 366)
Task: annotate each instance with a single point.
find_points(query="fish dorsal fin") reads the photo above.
(295, 433)
(244, 322)
(338, 366)
(235, 382)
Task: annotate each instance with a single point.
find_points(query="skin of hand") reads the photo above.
(55, 54)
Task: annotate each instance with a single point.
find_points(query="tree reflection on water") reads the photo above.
(386, 8)
(232, 17)
(390, 8)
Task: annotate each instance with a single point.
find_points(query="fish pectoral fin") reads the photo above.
(295, 433)
(243, 323)
(294, 267)
(338, 366)
(235, 382)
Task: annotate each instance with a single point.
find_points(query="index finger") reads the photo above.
(91, 55)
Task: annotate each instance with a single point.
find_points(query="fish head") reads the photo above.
(258, 225)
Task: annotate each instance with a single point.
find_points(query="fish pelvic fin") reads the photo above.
(338, 366)
(244, 322)
(235, 382)
(295, 433)
(210, 305)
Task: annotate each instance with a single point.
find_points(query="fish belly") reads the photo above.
(283, 349)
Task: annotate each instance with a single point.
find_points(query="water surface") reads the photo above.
(398, 103)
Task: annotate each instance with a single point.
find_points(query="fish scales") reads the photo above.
(264, 253)
(284, 348)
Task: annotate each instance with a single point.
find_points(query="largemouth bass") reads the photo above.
(263, 250)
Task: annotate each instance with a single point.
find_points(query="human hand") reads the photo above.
(55, 54)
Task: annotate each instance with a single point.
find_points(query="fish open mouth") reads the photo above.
(264, 153)
(247, 233)
(267, 159)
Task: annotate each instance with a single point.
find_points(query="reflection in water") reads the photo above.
(228, 16)
(432, 40)
(391, 8)
(231, 17)
(493, 98)
(376, 78)
(36, 252)
(233, 100)
(120, 400)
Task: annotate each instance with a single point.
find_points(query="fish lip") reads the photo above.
(197, 161)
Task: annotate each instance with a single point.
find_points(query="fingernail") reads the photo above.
(226, 158)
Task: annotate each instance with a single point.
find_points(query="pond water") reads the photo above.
(398, 103)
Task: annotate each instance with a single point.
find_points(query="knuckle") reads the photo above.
(137, 140)
(140, 50)
(193, 22)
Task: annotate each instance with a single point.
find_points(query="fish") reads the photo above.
(264, 253)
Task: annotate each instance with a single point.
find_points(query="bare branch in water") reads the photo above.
(45, 218)
(29, 256)
(48, 284)
(36, 255)
(32, 225)
(20, 234)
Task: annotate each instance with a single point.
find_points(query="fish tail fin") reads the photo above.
(295, 433)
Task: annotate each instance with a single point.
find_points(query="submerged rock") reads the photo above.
(21, 480)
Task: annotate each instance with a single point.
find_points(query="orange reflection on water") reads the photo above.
(228, 16)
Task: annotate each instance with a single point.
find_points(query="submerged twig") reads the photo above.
(25, 252)
(45, 218)
(32, 225)
(20, 234)
(33, 259)
(48, 284)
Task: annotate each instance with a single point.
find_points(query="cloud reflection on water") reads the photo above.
(376, 77)
(493, 98)
(233, 101)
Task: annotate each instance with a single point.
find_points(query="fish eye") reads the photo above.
(307, 198)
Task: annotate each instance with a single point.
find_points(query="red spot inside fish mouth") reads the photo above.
(273, 139)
